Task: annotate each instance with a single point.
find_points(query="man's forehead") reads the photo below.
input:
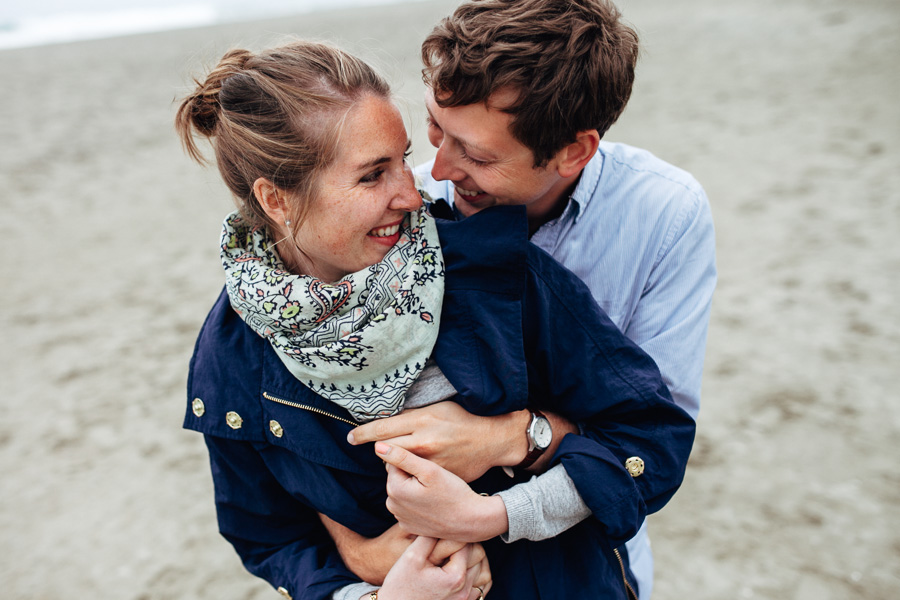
(500, 100)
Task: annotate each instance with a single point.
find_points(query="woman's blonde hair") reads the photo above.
(275, 114)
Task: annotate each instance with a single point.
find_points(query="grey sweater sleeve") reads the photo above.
(354, 591)
(543, 507)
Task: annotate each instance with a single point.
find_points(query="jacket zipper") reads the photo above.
(318, 411)
(628, 587)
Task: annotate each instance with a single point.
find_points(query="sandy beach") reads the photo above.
(787, 113)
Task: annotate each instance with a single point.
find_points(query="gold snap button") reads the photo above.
(635, 466)
(234, 420)
(276, 428)
(281, 590)
(198, 407)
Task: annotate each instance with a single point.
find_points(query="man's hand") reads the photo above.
(446, 434)
(370, 559)
(431, 501)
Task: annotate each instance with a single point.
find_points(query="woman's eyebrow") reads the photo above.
(381, 160)
(373, 163)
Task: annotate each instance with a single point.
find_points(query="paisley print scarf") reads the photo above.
(359, 342)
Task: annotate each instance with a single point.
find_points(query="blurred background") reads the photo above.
(786, 111)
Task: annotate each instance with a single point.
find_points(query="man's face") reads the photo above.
(487, 165)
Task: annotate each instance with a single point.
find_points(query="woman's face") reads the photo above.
(363, 196)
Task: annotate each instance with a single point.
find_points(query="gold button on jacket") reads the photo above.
(276, 428)
(234, 420)
(198, 407)
(635, 466)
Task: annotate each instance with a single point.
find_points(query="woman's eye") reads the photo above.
(373, 176)
(406, 155)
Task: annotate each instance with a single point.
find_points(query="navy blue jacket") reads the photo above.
(517, 330)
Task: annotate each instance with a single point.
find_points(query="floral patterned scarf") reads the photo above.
(359, 342)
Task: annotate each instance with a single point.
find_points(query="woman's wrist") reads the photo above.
(493, 522)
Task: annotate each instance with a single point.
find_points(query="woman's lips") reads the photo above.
(387, 235)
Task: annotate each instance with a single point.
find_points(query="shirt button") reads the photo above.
(281, 590)
(276, 428)
(635, 466)
(234, 420)
(198, 407)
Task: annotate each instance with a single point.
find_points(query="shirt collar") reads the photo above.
(587, 185)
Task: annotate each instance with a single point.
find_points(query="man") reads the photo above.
(521, 93)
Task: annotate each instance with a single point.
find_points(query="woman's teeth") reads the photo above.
(463, 192)
(385, 231)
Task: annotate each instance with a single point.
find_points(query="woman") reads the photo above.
(336, 290)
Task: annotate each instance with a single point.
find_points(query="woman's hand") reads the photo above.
(447, 548)
(431, 501)
(415, 577)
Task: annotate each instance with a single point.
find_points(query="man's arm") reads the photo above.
(671, 320)
(372, 558)
(467, 445)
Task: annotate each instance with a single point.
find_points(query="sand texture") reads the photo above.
(787, 111)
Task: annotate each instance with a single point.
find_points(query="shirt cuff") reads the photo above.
(543, 507)
(519, 512)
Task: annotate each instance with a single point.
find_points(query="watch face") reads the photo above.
(542, 433)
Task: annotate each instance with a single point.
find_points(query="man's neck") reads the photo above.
(552, 205)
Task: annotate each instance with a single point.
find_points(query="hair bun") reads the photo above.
(204, 103)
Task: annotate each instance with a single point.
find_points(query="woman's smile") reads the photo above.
(388, 234)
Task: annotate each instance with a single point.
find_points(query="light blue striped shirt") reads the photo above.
(639, 232)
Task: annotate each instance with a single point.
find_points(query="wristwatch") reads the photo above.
(539, 435)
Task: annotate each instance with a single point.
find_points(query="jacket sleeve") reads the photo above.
(582, 367)
(278, 537)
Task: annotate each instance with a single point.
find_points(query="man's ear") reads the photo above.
(271, 199)
(574, 157)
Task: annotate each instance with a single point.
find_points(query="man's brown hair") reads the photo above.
(571, 62)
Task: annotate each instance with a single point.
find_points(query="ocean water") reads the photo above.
(40, 22)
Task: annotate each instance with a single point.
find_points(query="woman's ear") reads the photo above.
(574, 157)
(271, 199)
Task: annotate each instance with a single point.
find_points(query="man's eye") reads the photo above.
(474, 161)
(373, 176)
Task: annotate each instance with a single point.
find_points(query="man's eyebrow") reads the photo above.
(464, 143)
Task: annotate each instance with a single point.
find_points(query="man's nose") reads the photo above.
(444, 168)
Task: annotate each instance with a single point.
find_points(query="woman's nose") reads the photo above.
(407, 197)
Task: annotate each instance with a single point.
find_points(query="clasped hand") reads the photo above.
(428, 500)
